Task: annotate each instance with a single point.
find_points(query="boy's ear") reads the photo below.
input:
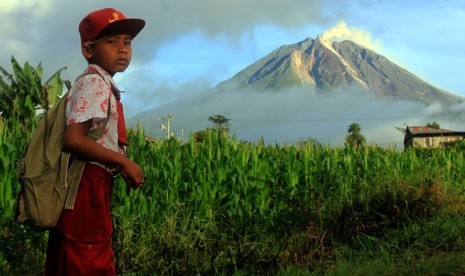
(86, 51)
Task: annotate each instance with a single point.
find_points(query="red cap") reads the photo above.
(108, 21)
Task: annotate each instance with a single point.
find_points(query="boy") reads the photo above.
(80, 244)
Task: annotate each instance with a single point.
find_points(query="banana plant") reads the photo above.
(23, 96)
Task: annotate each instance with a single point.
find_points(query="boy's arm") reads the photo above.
(77, 142)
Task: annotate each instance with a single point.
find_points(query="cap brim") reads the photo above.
(130, 26)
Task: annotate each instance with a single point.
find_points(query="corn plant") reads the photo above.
(228, 195)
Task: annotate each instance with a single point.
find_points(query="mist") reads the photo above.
(297, 114)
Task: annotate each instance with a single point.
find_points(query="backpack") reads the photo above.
(48, 176)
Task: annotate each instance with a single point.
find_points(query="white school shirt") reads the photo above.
(88, 100)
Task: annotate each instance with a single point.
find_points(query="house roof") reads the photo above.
(427, 130)
(424, 131)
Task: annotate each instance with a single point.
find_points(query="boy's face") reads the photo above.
(112, 53)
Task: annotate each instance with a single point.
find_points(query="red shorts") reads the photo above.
(80, 244)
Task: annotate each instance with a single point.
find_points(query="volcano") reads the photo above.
(329, 66)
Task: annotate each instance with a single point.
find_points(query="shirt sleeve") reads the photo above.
(88, 100)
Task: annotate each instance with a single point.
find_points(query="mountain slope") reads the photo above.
(328, 66)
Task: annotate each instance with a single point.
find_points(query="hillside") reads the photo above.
(330, 66)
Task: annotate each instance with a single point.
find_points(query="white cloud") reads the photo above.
(10, 5)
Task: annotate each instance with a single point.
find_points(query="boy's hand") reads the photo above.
(129, 182)
(132, 174)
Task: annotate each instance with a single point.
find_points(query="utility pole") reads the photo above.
(168, 125)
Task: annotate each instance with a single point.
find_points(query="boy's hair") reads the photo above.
(101, 23)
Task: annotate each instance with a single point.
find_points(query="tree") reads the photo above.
(433, 125)
(221, 122)
(355, 137)
(22, 94)
(302, 143)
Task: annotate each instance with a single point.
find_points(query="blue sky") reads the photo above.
(190, 45)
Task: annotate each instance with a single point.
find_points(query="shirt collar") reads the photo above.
(94, 68)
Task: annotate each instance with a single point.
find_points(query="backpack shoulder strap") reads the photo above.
(53, 113)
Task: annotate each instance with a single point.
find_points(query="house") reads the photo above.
(428, 137)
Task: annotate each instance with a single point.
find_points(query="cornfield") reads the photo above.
(223, 205)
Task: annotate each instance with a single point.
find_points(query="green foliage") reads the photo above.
(221, 122)
(221, 206)
(22, 93)
(312, 142)
(355, 137)
(22, 249)
(433, 124)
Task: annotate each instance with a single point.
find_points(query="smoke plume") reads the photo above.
(343, 32)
